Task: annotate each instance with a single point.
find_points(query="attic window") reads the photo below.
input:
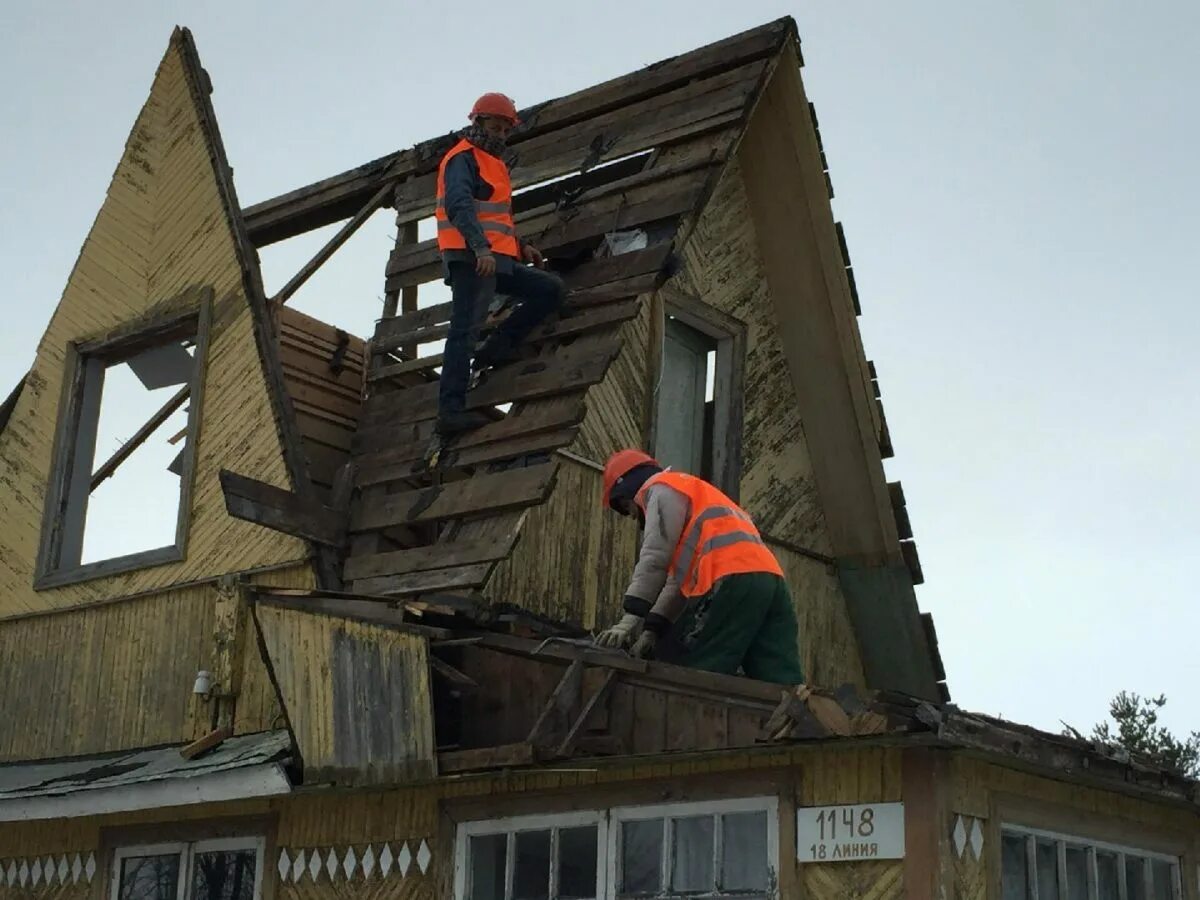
(698, 403)
(120, 482)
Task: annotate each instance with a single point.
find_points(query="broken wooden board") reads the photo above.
(282, 510)
(470, 497)
(356, 696)
(433, 556)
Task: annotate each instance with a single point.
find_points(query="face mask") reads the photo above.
(486, 142)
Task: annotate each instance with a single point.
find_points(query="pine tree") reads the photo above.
(1135, 728)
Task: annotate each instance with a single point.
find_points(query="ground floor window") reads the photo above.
(226, 869)
(1044, 865)
(711, 849)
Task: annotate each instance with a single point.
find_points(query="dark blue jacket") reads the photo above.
(464, 186)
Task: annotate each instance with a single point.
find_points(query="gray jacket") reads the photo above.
(667, 512)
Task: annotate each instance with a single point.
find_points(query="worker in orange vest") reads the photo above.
(704, 569)
(482, 254)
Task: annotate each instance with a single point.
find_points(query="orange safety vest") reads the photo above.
(495, 213)
(719, 538)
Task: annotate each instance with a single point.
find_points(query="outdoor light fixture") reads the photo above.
(203, 684)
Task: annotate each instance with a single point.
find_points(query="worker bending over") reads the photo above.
(481, 254)
(702, 564)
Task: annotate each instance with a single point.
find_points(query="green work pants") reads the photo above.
(746, 621)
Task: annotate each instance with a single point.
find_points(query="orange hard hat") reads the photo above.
(499, 105)
(621, 464)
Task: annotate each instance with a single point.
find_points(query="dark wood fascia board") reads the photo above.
(265, 322)
(274, 507)
(10, 402)
(340, 196)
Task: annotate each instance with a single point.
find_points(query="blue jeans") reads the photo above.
(538, 294)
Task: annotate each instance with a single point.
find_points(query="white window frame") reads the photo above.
(1090, 846)
(669, 811)
(607, 822)
(187, 851)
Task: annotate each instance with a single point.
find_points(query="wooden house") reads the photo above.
(343, 674)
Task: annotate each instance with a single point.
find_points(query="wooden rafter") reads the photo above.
(140, 437)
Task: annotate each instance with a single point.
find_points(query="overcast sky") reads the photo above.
(1021, 197)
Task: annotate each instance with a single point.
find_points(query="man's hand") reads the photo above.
(485, 265)
(644, 645)
(532, 254)
(622, 634)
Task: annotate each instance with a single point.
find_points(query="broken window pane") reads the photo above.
(129, 462)
(641, 856)
(223, 875)
(692, 854)
(1077, 866)
(488, 854)
(577, 863)
(149, 877)
(531, 877)
(1108, 881)
(1013, 868)
(744, 851)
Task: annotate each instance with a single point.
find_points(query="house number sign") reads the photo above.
(826, 834)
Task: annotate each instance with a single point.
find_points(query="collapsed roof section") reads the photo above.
(640, 154)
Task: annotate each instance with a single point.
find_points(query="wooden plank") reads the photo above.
(503, 757)
(457, 680)
(472, 496)
(140, 436)
(586, 714)
(454, 458)
(403, 444)
(581, 322)
(331, 246)
(435, 556)
(455, 578)
(210, 740)
(282, 510)
(551, 229)
(554, 720)
(337, 197)
(528, 380)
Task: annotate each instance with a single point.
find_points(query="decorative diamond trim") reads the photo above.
(76, 869)
(368, 861)
(89, 868)
(11, 875)
(404, 859)
(424, 856)
(331, 865)
(23, 873)
(349, 863)
(314, 864)
(48, 869)
(63, 869)
(960, 836)
(385, 861)
(36, 872)
(976, 838)
(298, 867)
(285, 865)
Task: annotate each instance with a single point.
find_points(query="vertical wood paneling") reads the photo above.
(723, 268)
(357, 696)
(162, 229)
(574, 557)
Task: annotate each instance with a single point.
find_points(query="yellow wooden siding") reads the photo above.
(828, 648)
(357, 696)
(723, 268)
(615, 406)
(975, 783)
(574, 558)
(162, 229)
(119, 675)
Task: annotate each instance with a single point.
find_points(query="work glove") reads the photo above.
(644, 645)
(622, 634)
